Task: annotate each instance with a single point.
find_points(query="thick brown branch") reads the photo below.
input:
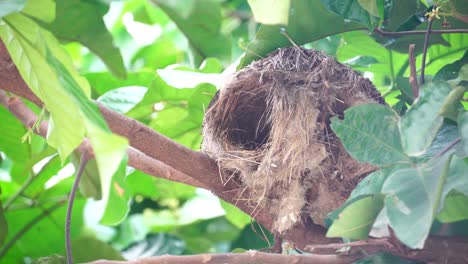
(239, 258)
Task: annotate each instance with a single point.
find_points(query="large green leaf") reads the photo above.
(420, 124)
(43, 10)
(370, 134)
(270, 12)
(3, 224)
(235, 215)
(8, 6)
(123, 99)
(26, 42)
(88, 249)
(412, 199)
(354, 11)
(310, 21)
(102, 82)
(358, 44)
(82, 21)
(10, 141)
(398, 12)
(50, 226)
(116, 196)
(455, 208)
(451, 71)
(202, 27)
(48, 71)
(355, 220)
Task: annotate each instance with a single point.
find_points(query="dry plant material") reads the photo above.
(269, 130)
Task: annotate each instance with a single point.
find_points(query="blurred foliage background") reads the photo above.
(160, 62)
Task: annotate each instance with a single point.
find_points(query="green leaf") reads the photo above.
(102, 82)
(270, 12)
(54, 259)
(310, 21)
(451, 71)
(26, 246)
(412, 199)
(50, 169)
(123, 99)
(372, 6)
(90, 184)
(3, 225)
(398, 12)
(455, 208)
(26, 42)
(43, 10)
(354, 11)
(235, 215)
(11, 6)
(463, 126)
(420, 124)
(361, 61)
(370, 134)
(356, 219)
(12, 132)
(82, 21)
(384, 258)
(88, 249)
(202, 27)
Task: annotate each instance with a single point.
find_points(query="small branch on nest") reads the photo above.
(426, 45)
(240, 258)
(418, 32)
(413, 79)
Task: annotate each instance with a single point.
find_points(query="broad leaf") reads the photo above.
(398, 12)
(420, 124)
(235, 215)
(87, 249)
(270, 12)
(370, 134)
(310, 21)
(90, 183)
(3, 225)
(9, 6)
(123, 99)
(412, 199)
(82, 21)
(354, 11)
(43, 10)
(202, 27)
(10, 141)
(355, 220)
(455, 208)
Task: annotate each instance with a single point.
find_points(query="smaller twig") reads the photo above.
(361, 243)
(83, 162)
(447, 148)
(418, 32)
(28, 226)
(413, 80)
(426, 44)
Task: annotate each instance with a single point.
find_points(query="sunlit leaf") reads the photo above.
(235, 215)
(8, 6)
(412, 199)
(355, 11)
(270, 12)
(82, 21)
(355, 220)
(420, 124)
(455, 208)
(310, 21)
(370, 134)
(43, 10)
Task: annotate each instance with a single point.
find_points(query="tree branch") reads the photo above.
(418, 32)
(250, 256)
(413, 79)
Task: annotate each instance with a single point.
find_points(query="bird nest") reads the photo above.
(269, 130)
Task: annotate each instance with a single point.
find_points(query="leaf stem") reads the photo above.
(426, 44)
(413, 80)
(84, 161)
(15, 196)
(28, 226)
(418, 32)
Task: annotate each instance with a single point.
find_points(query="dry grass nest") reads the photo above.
(269, 130)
